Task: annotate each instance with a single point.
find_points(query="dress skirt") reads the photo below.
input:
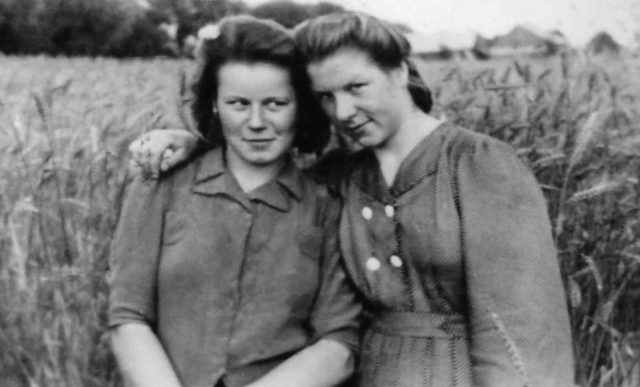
(413, 356)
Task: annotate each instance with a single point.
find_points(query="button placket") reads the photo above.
(395, 261)
(373, 264)
(389, 210)
(367, 213)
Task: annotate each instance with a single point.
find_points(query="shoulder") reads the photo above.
(335, 168)
(181, 177)
(485, 157)
(488, 168)
(321, 201)
(461, 141)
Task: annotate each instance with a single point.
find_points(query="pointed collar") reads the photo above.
(421, 162)
(212, 177)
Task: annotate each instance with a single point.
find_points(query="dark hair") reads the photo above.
(323, 36)
(246, 39)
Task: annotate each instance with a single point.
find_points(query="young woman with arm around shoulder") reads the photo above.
(443, 231)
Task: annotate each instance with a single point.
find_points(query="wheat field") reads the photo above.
(65, 125)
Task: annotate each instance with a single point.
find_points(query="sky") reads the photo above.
(578, 20)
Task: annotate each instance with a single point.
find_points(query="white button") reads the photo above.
(373, 264)
(367, 213)
(389, 210)
(395, 261)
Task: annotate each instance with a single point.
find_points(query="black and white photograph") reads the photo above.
(310, 193)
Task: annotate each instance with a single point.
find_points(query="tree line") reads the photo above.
(125, 28)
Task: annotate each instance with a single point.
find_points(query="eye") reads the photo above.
(276, 104)
(355, 87)
(324, 97)
(236, 103)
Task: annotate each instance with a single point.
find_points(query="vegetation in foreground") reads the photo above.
(65, 125)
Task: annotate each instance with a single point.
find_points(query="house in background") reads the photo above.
(441, 45)
(521, 41)
(603, 45)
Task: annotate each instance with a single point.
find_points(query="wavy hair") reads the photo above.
(321, 37)
(246, 39)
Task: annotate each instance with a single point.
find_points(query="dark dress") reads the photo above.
(232, 283)
(458, 268)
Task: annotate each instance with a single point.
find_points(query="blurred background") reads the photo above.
(151, 28)
(79, 79)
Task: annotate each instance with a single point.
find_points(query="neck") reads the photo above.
(251, 176)
(412, 130)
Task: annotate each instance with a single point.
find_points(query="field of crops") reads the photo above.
(65, 125)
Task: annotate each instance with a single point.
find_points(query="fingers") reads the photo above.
(137, 149)
(160, 150)
(168, 160)
(154, 151)
(174, 156)
(140, 156)
(147, 152)
(136, 170)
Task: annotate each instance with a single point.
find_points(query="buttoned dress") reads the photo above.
(231, 283)
(458, 268)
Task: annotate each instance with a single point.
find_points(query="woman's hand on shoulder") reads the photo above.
(160, 150)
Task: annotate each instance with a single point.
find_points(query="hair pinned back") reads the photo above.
(384, 43)
(246, 39)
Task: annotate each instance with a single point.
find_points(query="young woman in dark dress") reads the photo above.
(444, 231)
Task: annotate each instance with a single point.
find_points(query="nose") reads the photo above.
(344, 108)
(256, 121)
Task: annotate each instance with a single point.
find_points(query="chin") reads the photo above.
(263, 161)
(370, 142)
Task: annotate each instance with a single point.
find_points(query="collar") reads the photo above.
(213, 178)
(421, 162)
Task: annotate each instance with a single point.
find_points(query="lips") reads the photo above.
(355, 130)
(258, 140)
(259, 144)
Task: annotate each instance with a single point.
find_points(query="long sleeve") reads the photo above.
(135, 250)
(519, 326)
(336, 311)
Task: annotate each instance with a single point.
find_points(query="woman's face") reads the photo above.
(363, 100)
(256, 105)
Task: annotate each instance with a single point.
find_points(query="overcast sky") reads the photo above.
(579, 20)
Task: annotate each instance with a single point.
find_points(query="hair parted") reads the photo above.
(246, 39)
(323, 36)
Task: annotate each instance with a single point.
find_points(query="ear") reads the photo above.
(402, 74)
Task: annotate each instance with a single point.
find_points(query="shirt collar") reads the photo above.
(277, 193)
(421, 162)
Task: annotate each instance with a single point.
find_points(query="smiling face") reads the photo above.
(256, 105)
(364, 101)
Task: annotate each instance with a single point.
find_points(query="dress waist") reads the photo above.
(420, 324)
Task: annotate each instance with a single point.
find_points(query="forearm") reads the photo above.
(324, 364)
(141, 358)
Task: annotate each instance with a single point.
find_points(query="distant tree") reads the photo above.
(81, 27)
(285, 12)
(445, 52)
(140, 37)
(20, 30)
(481, 47)
(191, 15)
(124, 27)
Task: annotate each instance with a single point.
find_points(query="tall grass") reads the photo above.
(577, 123)
(65, 125)
(64, 128)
